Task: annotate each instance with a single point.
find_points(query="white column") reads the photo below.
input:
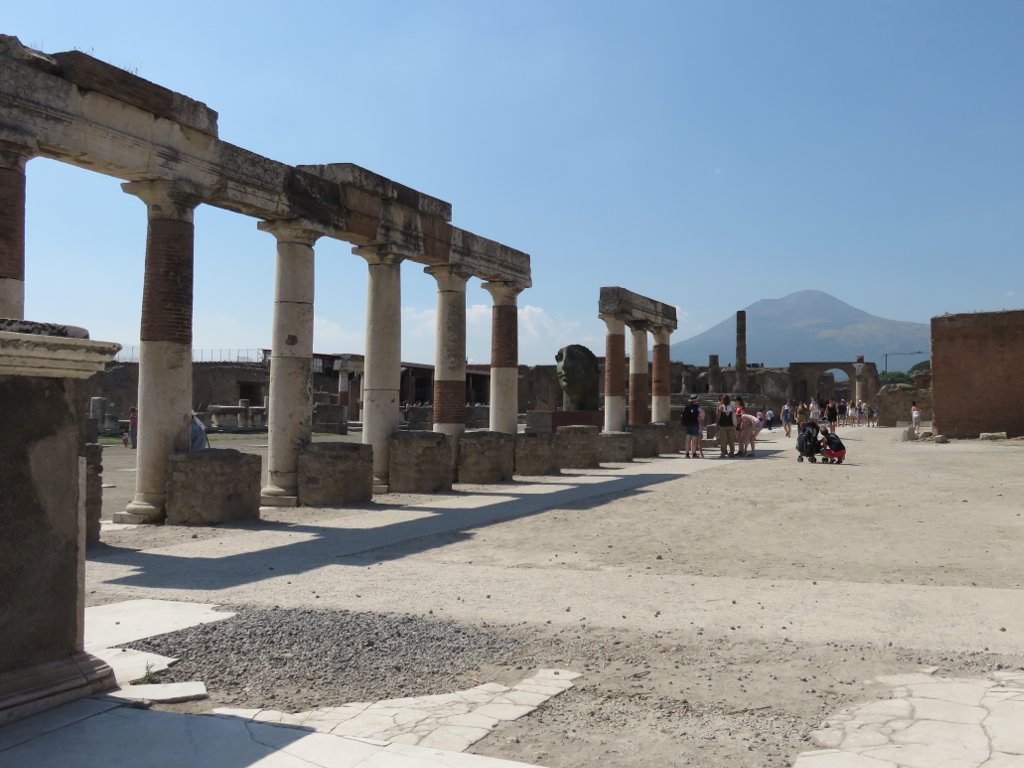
(289, 426)
(638, 398)
(661, 390)
(504, 406)
(165, 349)
(614, 374)
(382, 372)
(450, 350)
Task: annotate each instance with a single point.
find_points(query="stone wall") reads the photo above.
(39, 521)
(333, 474)
(486, 457)
(977, 363)
(893, 403)
(536, 454)
(578, 447)
(670, 437)
(93, 455)
(646, 440)
(332, 419)
(420, 462)
(212, 486)
(616, 446)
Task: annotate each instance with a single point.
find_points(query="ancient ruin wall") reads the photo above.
(977, 362)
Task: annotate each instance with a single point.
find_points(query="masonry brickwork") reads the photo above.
(578, 447)
(504, 336)
(639, 399)
(12, 224)
(536, 454)
(616, 447)
(167, 286)
(449, 402)
(335, 474)
(615, 364)
(661, 371)
(212, 486)
(420, 462)
(486, 457)
(977, 362)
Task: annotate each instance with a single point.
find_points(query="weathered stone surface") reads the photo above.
(332, 474)
(212, 486)
(619, 302)
(616, 446)
(578, 447)
(536, 455)
(93, 455)
(330, 418)
(670, 437)
(646, 439)
(486, 457)
(420, 462)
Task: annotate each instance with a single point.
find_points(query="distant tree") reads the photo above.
(924, 365)
(897, 377)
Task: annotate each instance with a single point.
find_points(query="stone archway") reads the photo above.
(804, 378)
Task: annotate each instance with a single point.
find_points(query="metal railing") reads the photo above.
(130, 354)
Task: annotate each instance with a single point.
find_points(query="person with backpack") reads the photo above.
(726, 422)
(692, 418)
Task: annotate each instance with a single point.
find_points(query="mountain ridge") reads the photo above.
(808, 326)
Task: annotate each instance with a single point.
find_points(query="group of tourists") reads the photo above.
(836, 413)
(737, 429)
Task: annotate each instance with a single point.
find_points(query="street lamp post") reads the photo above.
(885, 358)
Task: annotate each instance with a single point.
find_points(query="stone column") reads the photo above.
(289, 425)
(614, 374)
(383, 365)
(638, 397)
(13, 158)
(741, 351)
(714, 374)
(661, 385)
(504, 409)
(450, 350)
(165, 351)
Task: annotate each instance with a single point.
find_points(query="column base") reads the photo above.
(277, 496)
(379, 487)
(140, 513)
(25, 692)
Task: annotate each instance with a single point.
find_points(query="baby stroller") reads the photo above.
(807, 442)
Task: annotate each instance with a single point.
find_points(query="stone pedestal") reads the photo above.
(536, 454)
(646, 440)
(335, 474)
(616, 446)
(486, 457)
(212, 487)
(421, 462)
(578, 447)
(43, 519)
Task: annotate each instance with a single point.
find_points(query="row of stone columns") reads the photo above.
(615, 379)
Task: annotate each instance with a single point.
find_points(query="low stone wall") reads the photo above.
(486, 457)
(212, 486)
(670, 437)
(332, 419)
(420, 462)
(333, 474)
(616, 447)
(578, 447)
(893, 403)
(93, 455)
(646, 440)
(536, 455)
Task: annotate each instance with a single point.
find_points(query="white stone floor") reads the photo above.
(929, 722)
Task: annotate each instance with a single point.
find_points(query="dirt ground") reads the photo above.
(718, 610)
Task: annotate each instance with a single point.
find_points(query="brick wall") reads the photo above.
(12, 224)
(333, 474)
(977, 363)
(486, 457)
(212, 486)
(167, 284)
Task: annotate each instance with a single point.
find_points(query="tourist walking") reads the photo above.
(788, 418)
(693, 422)
(915, 417)
(769, 418)
(726, 428)
(832, 415)
(802, 412)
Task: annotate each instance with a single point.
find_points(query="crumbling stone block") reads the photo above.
(212, 486)
(578, 447)
(93, 455)
(646, 439)
(420, 462)
(536, 455)
(333, 474)
(616, 446)
(486, 457)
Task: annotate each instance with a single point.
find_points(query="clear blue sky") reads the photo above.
(705, 154)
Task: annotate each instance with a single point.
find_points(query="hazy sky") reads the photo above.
(707, 155)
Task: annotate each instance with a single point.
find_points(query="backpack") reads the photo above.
(691, 415)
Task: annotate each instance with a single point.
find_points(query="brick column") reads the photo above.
(638, 397)
(504, 407)
(290, 427)
(382, 372)
(13, 158)
(450, 350)
(614, 374)
(661, 391)
(714, 374)
(165, 351)
(741, 351)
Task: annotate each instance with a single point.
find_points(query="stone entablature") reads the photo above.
(634, 308)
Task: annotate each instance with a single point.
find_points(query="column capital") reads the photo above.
(503, 293)
(638, 326)
(449, 277)
(378, 253)
(166, 198)
(291, 230)
(614, 323)
(15, 154)
(662, 334)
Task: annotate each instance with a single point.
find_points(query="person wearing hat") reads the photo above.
(693, 425)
